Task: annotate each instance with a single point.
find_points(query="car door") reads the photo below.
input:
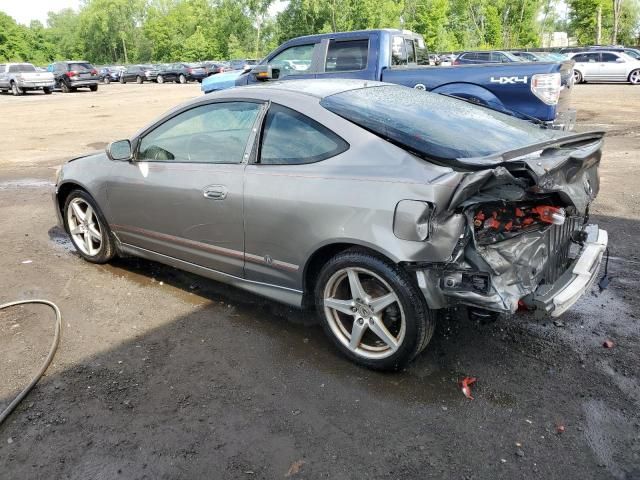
(182, 196)
(613, 68)
(278, 227)
(3, 77)
(588, 65)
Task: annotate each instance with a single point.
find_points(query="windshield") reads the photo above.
(23, 67)
(512, 57)
(80, 67)
(434, 125)
(635, 54)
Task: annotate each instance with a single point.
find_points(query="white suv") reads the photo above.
(605, 66)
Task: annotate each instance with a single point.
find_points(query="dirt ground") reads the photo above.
(165, 375)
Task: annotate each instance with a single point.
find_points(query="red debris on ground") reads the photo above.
(465, 385)
(560, 428)
(608, 344)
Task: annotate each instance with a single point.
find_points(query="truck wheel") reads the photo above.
(139, 80)
(46, 90)
(634, 77)
(372, 310)
(577, 77)
(182, 79)
(16, 90)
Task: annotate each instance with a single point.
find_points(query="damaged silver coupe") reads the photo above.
(378, 204)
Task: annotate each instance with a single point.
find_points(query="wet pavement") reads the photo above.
(164, 374)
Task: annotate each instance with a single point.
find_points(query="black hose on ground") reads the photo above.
(52, 351)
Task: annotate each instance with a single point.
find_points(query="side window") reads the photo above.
(609, 57)
(13, 68)
(483, 56)
(1, 68)
(294, 60)
(411, 53)
(398, 51)
(592, 57)
(580, 58)
(290, 138)
(422, 54)
(213, 133)
(347, 56)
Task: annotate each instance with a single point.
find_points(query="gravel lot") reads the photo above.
(166, 375)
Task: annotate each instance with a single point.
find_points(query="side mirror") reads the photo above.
(619, 60)
(120, 151)
(265, 72)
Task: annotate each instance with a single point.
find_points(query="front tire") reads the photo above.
(122, 80)
(106, 80)
(182, 79)
(634, 77)
(89, 231)
(16, 90)
(372, 310)
(577, 77)
(46, 90)
(138, 80)
(93, 88)
(64, 87)
(160, 79)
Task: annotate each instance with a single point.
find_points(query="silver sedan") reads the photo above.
(377, 204)
(603, 66)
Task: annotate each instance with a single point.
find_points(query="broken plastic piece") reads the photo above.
(560, 428)
(608, 344)
(465, 385)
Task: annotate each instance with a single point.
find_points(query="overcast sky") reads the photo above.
(23, 11)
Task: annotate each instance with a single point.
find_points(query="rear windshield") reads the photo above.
(433, 125)
(23, 67)
(80, 67)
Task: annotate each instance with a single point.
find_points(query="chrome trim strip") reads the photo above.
(249, 257)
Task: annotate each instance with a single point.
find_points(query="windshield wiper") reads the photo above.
(506, 111)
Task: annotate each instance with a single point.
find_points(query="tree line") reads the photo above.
(129, 31)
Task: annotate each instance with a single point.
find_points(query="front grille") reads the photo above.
(559, 245)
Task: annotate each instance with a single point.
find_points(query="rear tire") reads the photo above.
(139, 80)
(91, 236)
(16, 90)
(122, 80)
(182, 79)
(46, 90)
(160, 79)
(93, 88)
(362, 293)
(64, 87)
(106, 80)
(634, 77)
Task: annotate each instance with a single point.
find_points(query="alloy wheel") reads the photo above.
(84, 227)
(364, 313)
(634, 77)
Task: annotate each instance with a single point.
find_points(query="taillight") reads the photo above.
(189, 70)
(547, 87)
(72, 73)
(221, 70)
(456, 62)
(94, 72)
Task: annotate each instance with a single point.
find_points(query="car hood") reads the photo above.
(89, 155)
(221, 81)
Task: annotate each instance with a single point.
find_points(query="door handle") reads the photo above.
(215, 192)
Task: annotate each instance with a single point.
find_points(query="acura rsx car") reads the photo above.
(378, 204)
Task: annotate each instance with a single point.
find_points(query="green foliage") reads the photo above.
(115, 31)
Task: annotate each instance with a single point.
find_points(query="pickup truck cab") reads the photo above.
(540, 90)
(22, 77)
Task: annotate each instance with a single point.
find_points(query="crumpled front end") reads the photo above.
(527, 241)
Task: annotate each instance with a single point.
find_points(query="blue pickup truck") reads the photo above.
(534, 90)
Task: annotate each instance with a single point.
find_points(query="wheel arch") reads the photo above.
(64, 190)
(470, 91)
(322, 255)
